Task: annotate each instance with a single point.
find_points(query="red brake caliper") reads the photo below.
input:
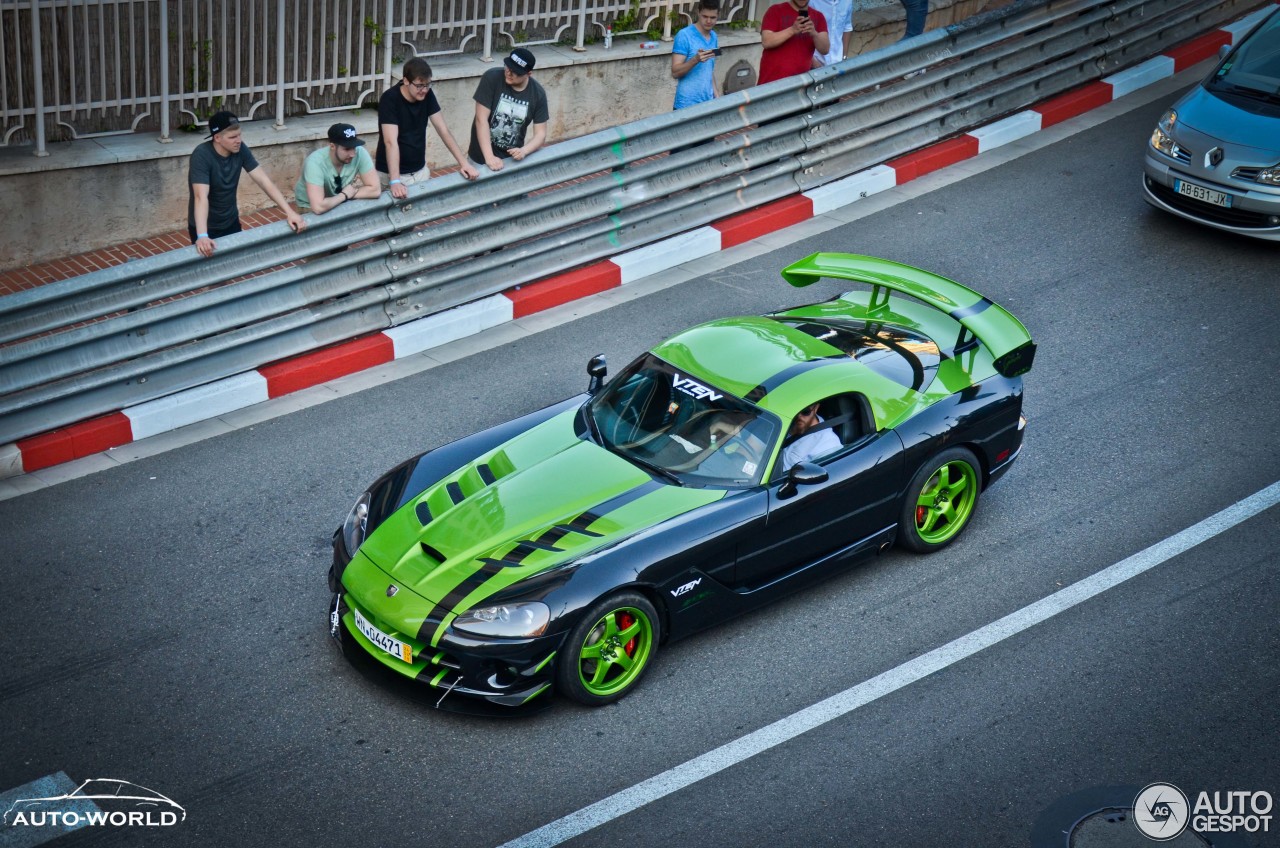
(625, 620)
(921, 512)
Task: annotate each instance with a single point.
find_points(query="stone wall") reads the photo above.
(93, 193)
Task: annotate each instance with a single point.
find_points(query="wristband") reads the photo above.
(201, 235)
(394, 182)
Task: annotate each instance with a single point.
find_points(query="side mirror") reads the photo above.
(598, 370)
(802, 474)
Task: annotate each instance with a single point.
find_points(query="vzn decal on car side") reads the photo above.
(688, 587)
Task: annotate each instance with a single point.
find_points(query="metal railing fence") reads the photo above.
(105, 341)
(85, 68)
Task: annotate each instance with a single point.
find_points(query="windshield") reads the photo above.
(1254, 68)
(686, 430)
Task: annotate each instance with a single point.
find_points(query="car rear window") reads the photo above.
(907, 358)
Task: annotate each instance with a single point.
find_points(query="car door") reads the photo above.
(860, 497)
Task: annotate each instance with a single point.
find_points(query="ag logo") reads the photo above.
(1160, 811)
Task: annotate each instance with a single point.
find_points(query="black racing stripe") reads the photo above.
(579, 526)
(582, 522)
(455, 492)
(486, 474)
(619, 501)
(441, 610)
(968, 311)
(542, 546)
(423, 512)
(555, 534)
(518, 554)
(756, 394)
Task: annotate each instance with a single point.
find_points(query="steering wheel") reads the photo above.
(746, 447)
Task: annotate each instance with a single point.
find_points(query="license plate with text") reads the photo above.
(394, 647)
(1204, 195)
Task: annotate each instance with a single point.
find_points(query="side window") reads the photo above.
(823, 429)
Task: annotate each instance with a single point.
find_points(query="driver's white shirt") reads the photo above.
(811, 444)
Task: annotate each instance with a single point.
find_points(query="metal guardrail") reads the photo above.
(159, 65)
(114, 338)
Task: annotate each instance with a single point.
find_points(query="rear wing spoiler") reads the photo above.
(981, 320)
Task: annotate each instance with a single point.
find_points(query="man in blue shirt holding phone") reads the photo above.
(693, 58)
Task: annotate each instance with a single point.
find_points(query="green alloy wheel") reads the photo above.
(609, 650)
(940, 501)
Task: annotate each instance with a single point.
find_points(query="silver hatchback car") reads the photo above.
(1214, 158)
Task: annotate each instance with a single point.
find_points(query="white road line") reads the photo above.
(780, 731)
(28, 836)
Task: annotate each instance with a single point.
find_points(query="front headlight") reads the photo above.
(353, 529)
(522, 620)
(1269, 176)
(1162, 135)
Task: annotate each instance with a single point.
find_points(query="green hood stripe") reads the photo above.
(432, 625)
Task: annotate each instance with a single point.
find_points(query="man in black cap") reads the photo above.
(337, 173)
(213, 177)
(404, 111)
(508, 101)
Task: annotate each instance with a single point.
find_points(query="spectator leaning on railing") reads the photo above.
(404, 111)
(213, 179)
(790, 34)
(693, 57)
(336, 173)
(508, 101)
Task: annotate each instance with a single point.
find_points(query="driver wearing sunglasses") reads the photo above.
(805, 442)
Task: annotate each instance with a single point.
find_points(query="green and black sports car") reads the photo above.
(737, 461)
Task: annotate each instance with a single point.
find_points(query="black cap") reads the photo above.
(222, 121)
(520, 62)
(344, 135)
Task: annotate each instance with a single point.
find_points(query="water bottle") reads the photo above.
(608, 36)
(649, 45)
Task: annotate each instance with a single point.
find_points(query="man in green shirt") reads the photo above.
(337, 173)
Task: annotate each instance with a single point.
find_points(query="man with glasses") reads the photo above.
(403, 114)
(805, 443)
(508, 101)
(336, 173)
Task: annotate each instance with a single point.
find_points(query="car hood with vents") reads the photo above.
(536, 502)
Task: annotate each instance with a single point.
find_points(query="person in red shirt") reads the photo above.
(790, 33)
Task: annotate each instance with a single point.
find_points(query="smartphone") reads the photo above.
(718, 52)
(803, 13)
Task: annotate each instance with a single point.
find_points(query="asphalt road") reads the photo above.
(165, 620)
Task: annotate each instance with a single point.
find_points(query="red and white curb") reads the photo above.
(281, 378)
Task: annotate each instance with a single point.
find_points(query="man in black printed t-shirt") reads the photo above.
(508, 101)
(403, 114)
